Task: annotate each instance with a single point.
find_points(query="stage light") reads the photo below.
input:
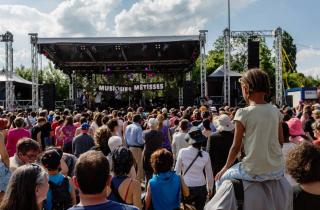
(158, 46)
(118, 47)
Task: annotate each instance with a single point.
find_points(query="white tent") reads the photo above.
(15, 78)
(219, 72)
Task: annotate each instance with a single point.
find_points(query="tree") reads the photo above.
(290, 53)
(48, 75)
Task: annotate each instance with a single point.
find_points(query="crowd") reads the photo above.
(257, 157)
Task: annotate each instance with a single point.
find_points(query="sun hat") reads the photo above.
(114, 142)
(223, 123)
(295, 130)
(195, 136)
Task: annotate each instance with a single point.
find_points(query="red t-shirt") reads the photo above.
(316, 142)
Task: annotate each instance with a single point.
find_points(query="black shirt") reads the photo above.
(305, 201)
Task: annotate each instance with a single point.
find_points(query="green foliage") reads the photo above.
(291, 51)
(48, 75)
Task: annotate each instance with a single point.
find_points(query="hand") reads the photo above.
(210, 194)
(220, 174)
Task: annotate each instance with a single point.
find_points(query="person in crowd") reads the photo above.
(263, 138)
(162, 127)
(113, 126)
(58, 136)
(97, 122)
(207, 115)
(27, 189)
(4, 167)
(316, 130)
(166, 188)
(76, 120)
(194, 165)
(296, 133)
(15, 134)
(97, 99)
(124, 189)
(153, 140)
(113, 143)
(78, 130)
(135, 143)
(36, 132)
(32, 117)
(93, 167)
(45, 130)
(207, 132)
(61, 194)
(196, 118)
(27, 151)
(127, 122)
(82, 142)
(54, 125)
(302, 164)
(178, 138)
(68, 131)
(219, 143)
(307, 121)
(101, 138)
(316, 114)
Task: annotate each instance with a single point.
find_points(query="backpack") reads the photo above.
(61, 197)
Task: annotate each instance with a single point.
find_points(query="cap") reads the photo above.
(195, 136)
(85, 126)
(51, 159)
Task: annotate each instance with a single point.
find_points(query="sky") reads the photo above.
(78, 18)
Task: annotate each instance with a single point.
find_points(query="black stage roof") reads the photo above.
(98, 55)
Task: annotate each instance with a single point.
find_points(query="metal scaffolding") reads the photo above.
(8, 39)
(277, 35)
(72, 78)
(203, 71)
(34, 66)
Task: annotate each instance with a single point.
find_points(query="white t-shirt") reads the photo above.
(178, 142)
(261, 141)
(98, 97)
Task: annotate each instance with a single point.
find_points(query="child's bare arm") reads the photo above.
(234, 150)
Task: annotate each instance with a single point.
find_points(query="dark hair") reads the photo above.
(205, 114)
(23, 181)
(101, 138)
(68, 121)
(92, 167)
(26, 144)
(206, 124)
(136, 118)
(161, 161)
(112, 124)
(184, 124)
(19, 122)
(57, 117)
(41, 119)
(302, 163)
(256, 80)
(105, 120)
(98, 118)
(122, 160)
(83, 120)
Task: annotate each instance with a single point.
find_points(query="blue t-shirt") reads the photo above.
(56, 179)
(109, 205)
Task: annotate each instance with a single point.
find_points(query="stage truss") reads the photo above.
(8, 39)
(277, 35)
(34, 66)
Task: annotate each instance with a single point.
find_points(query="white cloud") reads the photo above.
(307, 53)
(313, 71)
(163, 17)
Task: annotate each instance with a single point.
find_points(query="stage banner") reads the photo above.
(134, 87)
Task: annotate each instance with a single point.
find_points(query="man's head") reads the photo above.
(19, 122)
(41, 121)
(137, 118)
(92, 173)
(27, 150)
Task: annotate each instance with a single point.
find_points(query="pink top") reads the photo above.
(68, 133)
(14, 135)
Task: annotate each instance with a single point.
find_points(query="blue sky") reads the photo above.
(54, 18)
